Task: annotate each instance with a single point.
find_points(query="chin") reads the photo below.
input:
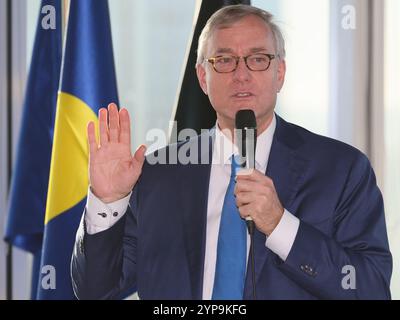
(244, 107)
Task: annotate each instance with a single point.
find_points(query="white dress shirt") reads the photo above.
(100, 216)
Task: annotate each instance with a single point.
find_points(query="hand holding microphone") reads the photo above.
(256, 196)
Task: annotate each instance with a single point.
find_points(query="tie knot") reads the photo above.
(235, 167)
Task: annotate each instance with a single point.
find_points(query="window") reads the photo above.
(304, 99)
(150, 40)
(392, 135)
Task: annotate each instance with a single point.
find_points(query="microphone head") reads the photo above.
(246, 136)
(245, 119)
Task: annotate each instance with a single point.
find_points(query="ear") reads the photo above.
(281, 72)
(201, 76)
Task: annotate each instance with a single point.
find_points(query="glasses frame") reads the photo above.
(237, 59)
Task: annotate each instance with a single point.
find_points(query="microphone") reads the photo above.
(246, 137)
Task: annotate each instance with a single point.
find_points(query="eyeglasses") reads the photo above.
(254, 62)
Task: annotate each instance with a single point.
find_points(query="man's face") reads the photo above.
(243, 88)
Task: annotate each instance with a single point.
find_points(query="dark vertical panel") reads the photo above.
(193, 108)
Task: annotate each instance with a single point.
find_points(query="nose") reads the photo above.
(242, 73)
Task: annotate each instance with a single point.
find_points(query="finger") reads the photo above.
(103, 126)
(139, 156)
(245, 172)
(245, 211)
(113, 122)
(244, 198)
(125, 132)
(253, 175)
(91, 134)
(249, 186)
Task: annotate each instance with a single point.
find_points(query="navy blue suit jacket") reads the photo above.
(159, 244)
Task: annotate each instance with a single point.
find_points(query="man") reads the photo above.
(320, 225)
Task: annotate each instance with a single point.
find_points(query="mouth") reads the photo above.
(243, 95)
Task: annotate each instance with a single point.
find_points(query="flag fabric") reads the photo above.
(88, 82)
(193, 108)
(27, 202)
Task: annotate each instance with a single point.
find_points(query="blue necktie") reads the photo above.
(230, 270)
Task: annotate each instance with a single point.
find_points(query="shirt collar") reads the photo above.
(224, 148)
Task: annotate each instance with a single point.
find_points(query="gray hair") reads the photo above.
(227, 16)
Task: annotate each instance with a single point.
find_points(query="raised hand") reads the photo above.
(113, 171)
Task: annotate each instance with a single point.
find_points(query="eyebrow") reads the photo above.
(258, 49)
(229, 50)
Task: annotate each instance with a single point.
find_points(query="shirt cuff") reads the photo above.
(101, 216)
(281, 240)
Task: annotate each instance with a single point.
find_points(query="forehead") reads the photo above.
(244, 35)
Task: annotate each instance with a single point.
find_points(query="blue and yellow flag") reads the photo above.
(27, 204)
(88, 82)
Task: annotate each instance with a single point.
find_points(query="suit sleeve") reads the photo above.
(103, 265)
(354, 262)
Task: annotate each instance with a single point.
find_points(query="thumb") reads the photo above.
(139, 154)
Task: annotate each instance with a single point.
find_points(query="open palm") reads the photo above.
(113, 171)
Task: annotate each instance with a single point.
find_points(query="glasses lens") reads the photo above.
(258, 62)
(225, 63)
